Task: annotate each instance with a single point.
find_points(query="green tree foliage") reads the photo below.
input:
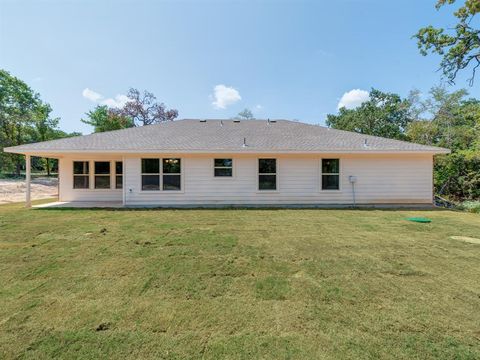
(458, 175)
(446, 119)
(452, 120)
(104, 119)
(20, 108)
(245, 114)
(459, 47)
(23, 118)
(384, 114)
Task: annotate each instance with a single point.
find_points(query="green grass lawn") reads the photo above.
(238, 284)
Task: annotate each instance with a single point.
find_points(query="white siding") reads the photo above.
(68, 193)
(381, 179)
(387, 179)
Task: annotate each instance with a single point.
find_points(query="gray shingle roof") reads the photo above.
(225, 136)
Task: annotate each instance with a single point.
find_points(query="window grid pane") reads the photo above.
(150, 166)
(102, 167)
(267, 182)
(171, 166)
(80, 168)
(223, 162)
(330, 182)
(171, 182)
(118, 167)
(330, 166)
(267, 166)
(119, 182)
(150, 182)
(81, 182)
(223, 172)
(102, 182)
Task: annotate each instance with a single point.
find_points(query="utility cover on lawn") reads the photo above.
(419, 219)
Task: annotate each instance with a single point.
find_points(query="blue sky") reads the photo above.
(282, 59)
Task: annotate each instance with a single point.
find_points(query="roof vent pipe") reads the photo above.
(244, 142)
(221, 122)
(365, 143)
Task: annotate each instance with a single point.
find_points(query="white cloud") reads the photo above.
(118, 102)
(224, 96)
(91, 95)
(95, 97)
(258, 107)
(353, 98)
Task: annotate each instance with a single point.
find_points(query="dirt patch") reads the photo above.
(14, 190)
(466, 239)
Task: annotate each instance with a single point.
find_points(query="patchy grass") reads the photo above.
(238, 284)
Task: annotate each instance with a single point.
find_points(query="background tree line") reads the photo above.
(25, 118)
(446, 119)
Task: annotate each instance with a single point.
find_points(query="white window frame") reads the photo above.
(160, 175)
(223, 167)
(151, 174)
(104, 175)
(171, 174)
(88, 175)
(276, 175)
(339, 174)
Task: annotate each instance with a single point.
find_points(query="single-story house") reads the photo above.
(237, 162)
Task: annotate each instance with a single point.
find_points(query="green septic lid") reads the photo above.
(419, 219)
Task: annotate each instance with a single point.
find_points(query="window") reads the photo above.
(102, 174)
(330, 174)
(118, 175)
(171, 174)
(150, 174)
(267, 174)
(81, 175)
(223, 167)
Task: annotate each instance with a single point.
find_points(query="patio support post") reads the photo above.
(124, 194)
(28, 201)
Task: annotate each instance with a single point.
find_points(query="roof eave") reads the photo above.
(39, 152)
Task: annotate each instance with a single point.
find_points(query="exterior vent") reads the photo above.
(203, 121)
(271, 121)
(236, 121)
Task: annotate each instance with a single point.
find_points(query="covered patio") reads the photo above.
(80, 205)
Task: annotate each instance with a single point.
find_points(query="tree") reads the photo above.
(460, 47)
(46, 128)
(143, 109)
(24, 118)
(104, 119)
(20, 107)
(384, 114)
(245, 114)
(450, 120)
